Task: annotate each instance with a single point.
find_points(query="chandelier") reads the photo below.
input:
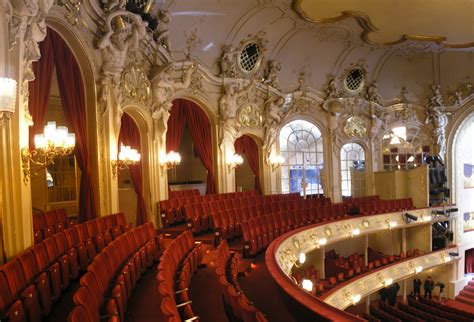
(171, 160)
(52, 143)
(126, 158)
(7, 97)
(233, 161)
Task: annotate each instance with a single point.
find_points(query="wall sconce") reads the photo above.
(7, 98)
(426, 218)
(276, 161)
(307, 285)
(355, 232)
(233, 161)
(418, 269)
(391, 224)
(354, 299)
(447, 259)
(385, 281)
(171, 160)
(54, 142)
(300, 260)
(126, 157)
(322, 241)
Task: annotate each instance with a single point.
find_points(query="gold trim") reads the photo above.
(367, 25)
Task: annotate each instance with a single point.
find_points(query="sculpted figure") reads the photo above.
(458, 96)
(439, 119)
(228, 62)
(115, 44)
(112, 5)
(373, 93)
(273, 110)
(330, 89)
(228, 104)
(271, 73)
(34, 25)
(161, 32)
(436, 99)
(228, 101)
(163, 90)
(404, 95)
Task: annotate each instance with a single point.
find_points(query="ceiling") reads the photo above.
(200, 29)
(392, 21)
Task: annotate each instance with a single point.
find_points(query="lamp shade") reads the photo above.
(7, 94)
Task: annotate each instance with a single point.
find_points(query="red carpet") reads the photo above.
(466, 296)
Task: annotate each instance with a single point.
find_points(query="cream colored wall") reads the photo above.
(190, 168)
(387, 242)
(128, 204)
(419, 237)
(244, 176)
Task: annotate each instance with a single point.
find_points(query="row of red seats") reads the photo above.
(382, 315)
(112, 276)
(234, 298)
(227, 223)
(385, 206)
(183, 193)
(45, 224)
(177, 265)
(356, 200)
(234, 211)
(402, 315)
(421, 315)
(441, 312)
(32, 282)
(172, 210)
(445, 308)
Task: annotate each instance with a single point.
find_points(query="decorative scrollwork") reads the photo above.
(355, 126)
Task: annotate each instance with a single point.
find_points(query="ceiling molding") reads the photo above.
(368, 27)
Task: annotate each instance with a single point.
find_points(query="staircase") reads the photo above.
(467, 294)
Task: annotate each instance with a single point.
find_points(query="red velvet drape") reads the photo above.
(245, 145)
(176, 124)
(469, 261)
(200, 130)
(130, 135)
(71, 88)
(40, 88)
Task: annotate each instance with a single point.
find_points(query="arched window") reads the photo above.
(404, 147)
(463, 159)
(352, 170)
(301, 145)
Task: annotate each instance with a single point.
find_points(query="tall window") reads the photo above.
(352, 169)
(301, 145)
(404, 148)
(463, 157)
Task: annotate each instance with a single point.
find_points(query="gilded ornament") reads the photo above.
(354, 126)
(250, 116)
(136, 83)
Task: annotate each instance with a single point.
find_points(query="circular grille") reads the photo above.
(354, 80)
(249, 57)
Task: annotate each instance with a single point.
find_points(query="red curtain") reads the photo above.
(176, 124)
(130, 135)
(71, 88)
(469, 261)
(245, 145)
(40, 88)
(200, 130)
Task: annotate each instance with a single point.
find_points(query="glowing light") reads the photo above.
(307, 285)
(356, 298)
(418, 269)
(302, 258)
(355, 232)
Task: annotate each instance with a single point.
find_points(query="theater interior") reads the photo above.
(252, 160)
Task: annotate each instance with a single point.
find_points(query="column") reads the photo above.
(366, 250)
(404, 290)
